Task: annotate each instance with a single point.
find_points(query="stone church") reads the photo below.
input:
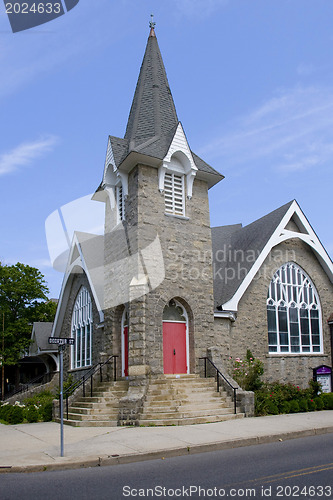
(162, 289)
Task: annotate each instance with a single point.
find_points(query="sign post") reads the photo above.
(323, 375)
(61, 342)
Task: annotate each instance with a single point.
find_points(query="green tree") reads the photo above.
(23, 300)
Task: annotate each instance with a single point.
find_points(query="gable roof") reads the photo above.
(86, 256)
(238, 252)
(41, 331)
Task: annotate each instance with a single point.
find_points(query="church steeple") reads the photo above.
(153, 113)
(153, 127)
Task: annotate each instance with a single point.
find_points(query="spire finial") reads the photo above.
(152, 24)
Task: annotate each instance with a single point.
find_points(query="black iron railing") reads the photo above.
(219, 374)
(40, 380)
(89, 375)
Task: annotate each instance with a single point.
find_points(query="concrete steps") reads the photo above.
(99, 410)
(185, 400)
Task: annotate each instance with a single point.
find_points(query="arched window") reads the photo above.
(293, 312)
(82, 330)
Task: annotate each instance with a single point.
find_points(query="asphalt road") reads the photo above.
(299, 468)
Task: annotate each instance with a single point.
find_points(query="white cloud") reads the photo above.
(25, 153)
(292, 131)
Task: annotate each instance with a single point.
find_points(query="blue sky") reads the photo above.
(252, 84)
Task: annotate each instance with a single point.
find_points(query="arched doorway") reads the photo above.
(175, 339)
(124, 344)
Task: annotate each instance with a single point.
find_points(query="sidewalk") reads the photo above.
(36, 447)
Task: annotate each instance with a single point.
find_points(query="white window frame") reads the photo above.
(82, 324)
(294, 317)
(174, 193)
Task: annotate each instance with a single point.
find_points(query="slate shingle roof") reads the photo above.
(236, 247)
(153, 119)
(153, 111)
(43, 330)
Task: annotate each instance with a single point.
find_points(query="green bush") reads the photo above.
(247, 373)
(303, 405)
(15, 415)
(43, 402)
(327, 399)
(319, 403)
(312, 405)
(46, 412)
(272, 408)
(4, 409)
(31, 414)
(294, 406)
(284, 407)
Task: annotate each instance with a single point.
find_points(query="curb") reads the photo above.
(107, 460)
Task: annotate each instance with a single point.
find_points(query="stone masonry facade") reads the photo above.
(249, 331)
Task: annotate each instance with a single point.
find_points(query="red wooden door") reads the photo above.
(126, 351)
(174, 347)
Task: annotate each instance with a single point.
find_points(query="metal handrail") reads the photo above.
(89, 375)
(26, 387)
(218, 375)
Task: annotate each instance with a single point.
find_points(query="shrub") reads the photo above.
(327, 400)
(31, 414)
(46, 412)
(272, 408)
(248, 372)
(15, 415)
(312, 405)
(303, 405)
(4, 409)
(319, 403)
(285, 407)
(294, 406)
(42, 402)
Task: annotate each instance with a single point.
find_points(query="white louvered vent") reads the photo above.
(120, 203)
(174, 194)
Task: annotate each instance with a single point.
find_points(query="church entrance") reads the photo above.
(175, 339)
(124, 345)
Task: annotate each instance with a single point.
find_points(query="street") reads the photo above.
(298, 468)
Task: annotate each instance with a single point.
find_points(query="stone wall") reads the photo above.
(249, 331)
(186, 248)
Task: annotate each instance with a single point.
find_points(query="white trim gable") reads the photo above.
(178, 159)
(75, 266)
(109, 159)
(282, 234)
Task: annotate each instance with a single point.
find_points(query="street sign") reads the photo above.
(61, 341)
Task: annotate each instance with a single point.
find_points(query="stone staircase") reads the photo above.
(100, 410)
(185, 399)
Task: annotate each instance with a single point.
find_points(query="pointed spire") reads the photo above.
(153, 112)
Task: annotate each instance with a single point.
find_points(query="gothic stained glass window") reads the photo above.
(293, 312)
(82, 330)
